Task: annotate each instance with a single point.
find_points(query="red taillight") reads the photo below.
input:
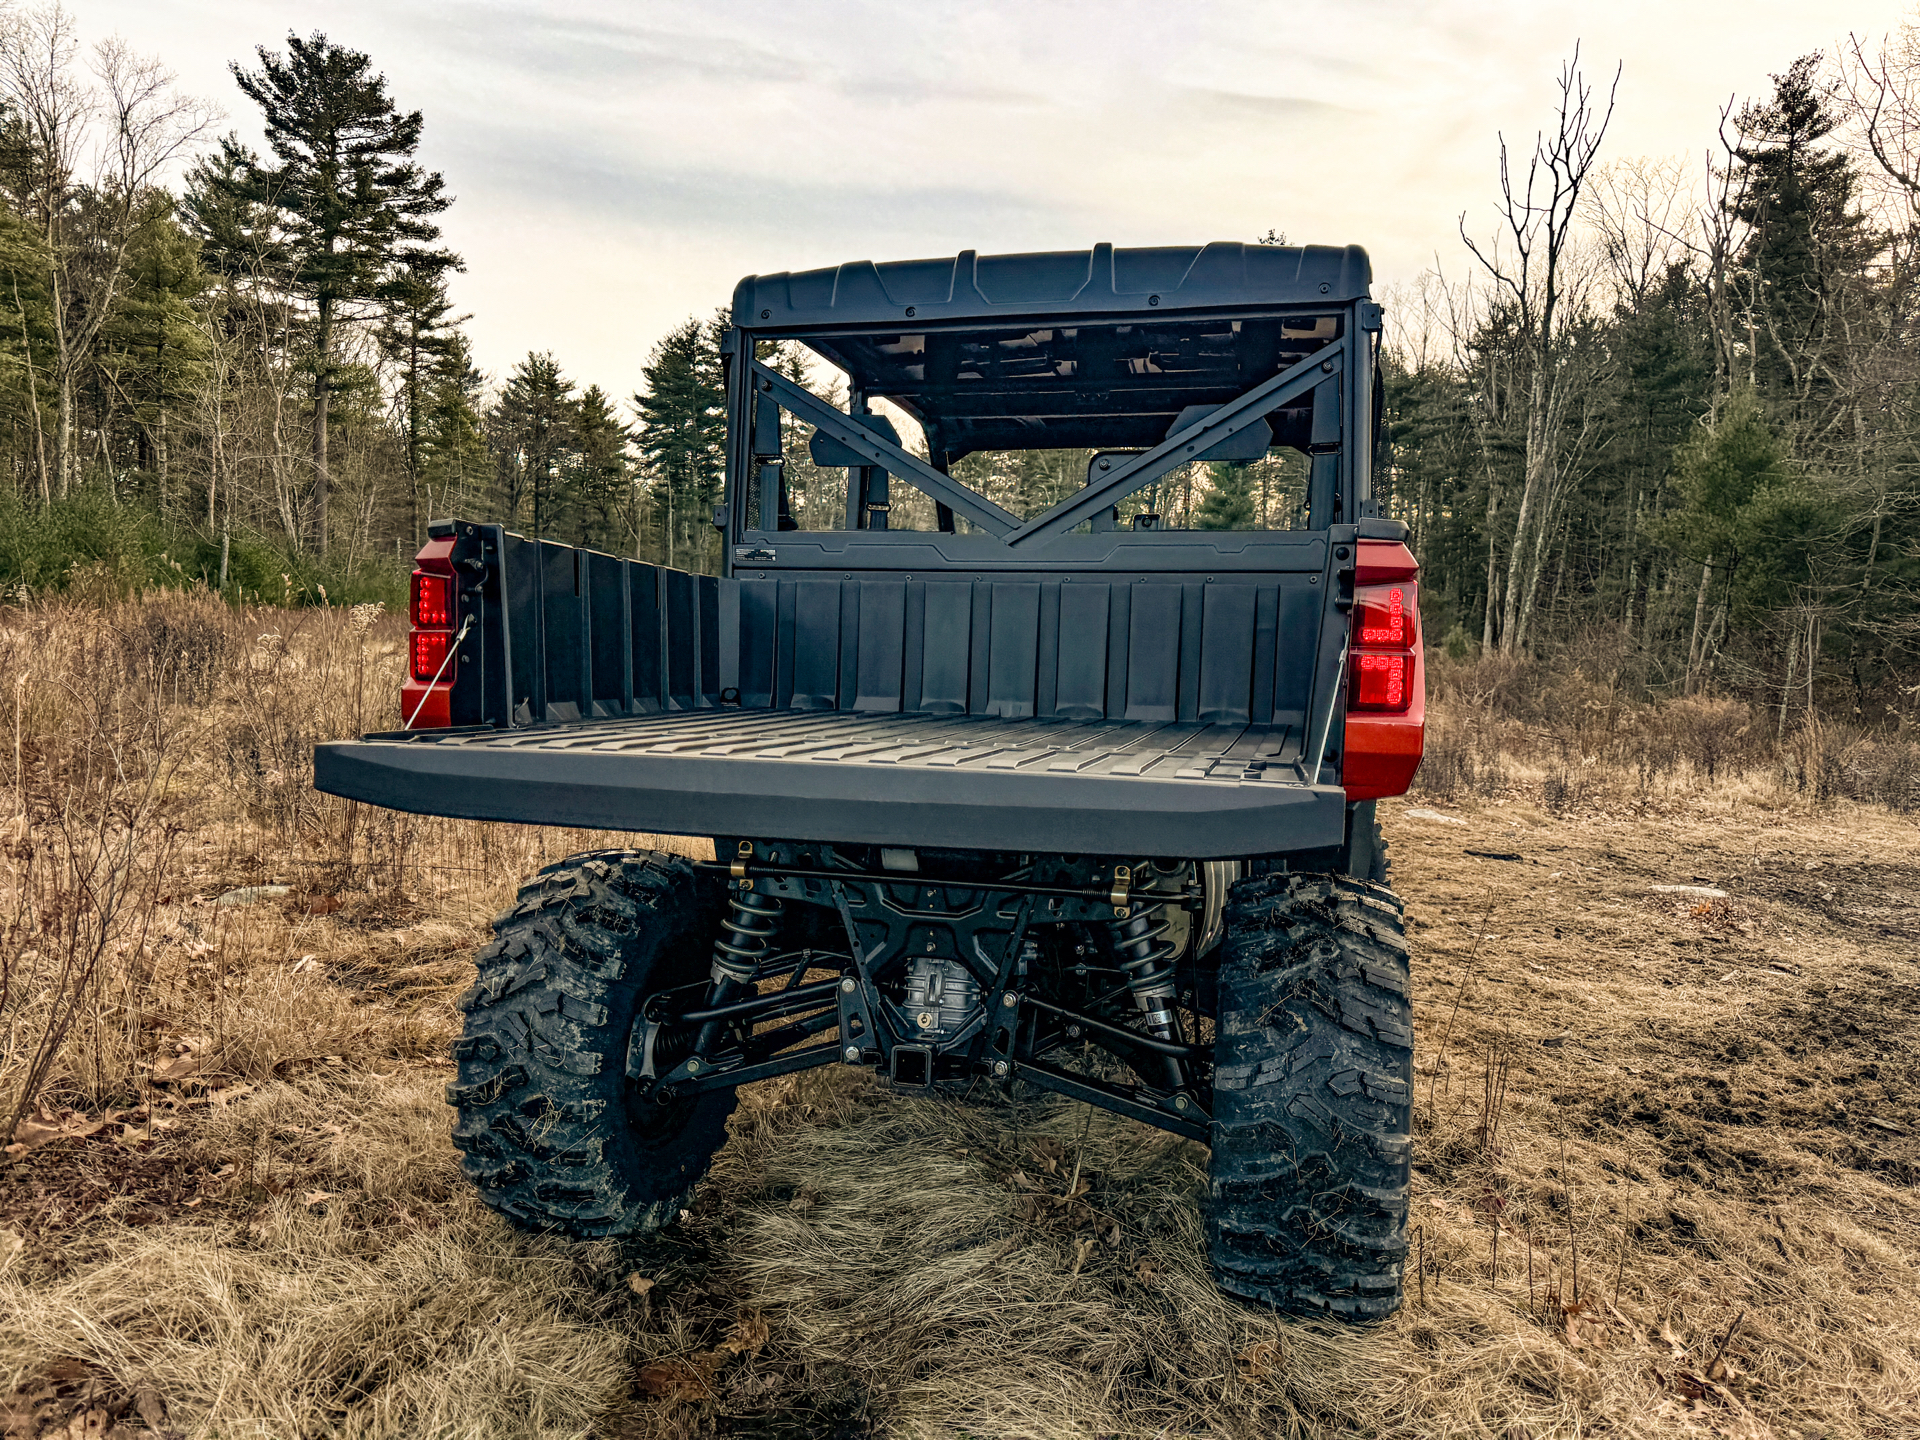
(1385, 635)
(1381, 682)
(1386, 712)
(433, 602)
(1384, 616)
(430, 654)
(427, 697)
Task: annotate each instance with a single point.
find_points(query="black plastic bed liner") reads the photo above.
(1190, 789)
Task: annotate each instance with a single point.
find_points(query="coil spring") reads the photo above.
(746, 931)
(1144, 956)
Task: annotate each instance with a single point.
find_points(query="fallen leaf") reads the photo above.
(12, 1243)
(1257, 1360)
(1024, 1181)
(1081, 1248)
(179, 1068)
(673, 1381)
(1677, 1350)
(746, 1336)
(147, 1401)
(43, 1126)
(304, 963)
(314, 1198)
(1113, 1236)
(639, 1284)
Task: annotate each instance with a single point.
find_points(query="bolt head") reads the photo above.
(852, 1053)
(1008, 1000)
(1000, 1068)
(1180, 1103)
(693, 1066)
(848, 985)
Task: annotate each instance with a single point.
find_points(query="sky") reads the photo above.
(619, 166)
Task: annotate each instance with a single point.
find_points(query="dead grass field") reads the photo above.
(1666, 1172)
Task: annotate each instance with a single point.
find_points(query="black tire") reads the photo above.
(549, 1126)
(1313, 1085)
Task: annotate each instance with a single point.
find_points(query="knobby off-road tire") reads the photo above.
(549, 1127)
(1313, 1079)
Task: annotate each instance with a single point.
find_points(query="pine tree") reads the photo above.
(1229, 502)
(350, 201)
(152, 348)
(416, 334)
(454, 460)
(600, 484)
(533, 427)
(1806, 235)
(683, 432)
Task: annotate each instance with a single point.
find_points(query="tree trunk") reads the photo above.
(1787, 689)
(413, 431)
(1487, 608)
(1814, 652)
(1537, 563)
(1696, 651)
(63, 433)
(322, 381)
(1527, 519)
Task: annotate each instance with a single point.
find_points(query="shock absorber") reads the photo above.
(1147, 959)
(746, 936)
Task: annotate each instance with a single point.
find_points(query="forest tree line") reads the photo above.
(1659, 416)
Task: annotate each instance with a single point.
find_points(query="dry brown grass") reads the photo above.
(1704, 1105)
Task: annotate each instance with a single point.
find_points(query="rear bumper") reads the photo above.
(994, 785)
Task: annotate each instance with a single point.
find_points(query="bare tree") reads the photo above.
(1639, 209)
(98, 144)
(1880, 95)
(1546, 286)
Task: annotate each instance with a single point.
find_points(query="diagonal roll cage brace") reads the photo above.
(1182, 446)
(1179, 448)
(876, 450)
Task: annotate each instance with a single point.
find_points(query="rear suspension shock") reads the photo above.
(1147, 959)
(747, 932)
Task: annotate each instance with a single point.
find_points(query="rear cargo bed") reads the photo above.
(1186, 788)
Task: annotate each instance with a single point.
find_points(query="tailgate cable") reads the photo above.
(466, 624)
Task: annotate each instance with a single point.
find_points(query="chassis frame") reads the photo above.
(996, 928)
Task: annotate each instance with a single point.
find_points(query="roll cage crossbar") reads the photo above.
(1186, 444)
(877, 450)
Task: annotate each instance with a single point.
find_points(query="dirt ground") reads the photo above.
(1665, 1180)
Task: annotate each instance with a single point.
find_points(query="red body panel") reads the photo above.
(1383, 749)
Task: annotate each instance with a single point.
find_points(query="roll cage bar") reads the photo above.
(1338, 377)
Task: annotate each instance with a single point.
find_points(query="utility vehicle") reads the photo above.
(1072, 787)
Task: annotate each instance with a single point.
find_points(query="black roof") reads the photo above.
(1053, 284)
